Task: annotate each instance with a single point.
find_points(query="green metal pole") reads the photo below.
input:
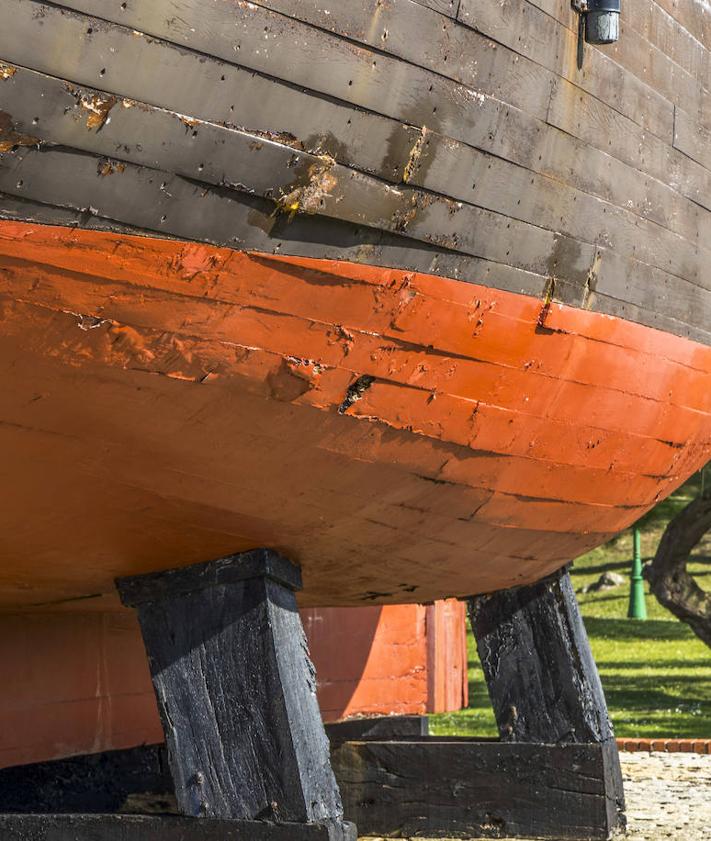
(638, 606)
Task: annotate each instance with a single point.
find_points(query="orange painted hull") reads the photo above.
(78, 683)
(403, 437)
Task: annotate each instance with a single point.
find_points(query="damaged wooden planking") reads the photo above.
(285, 48)
(48, 175)
(402, 449)
(218, 91)
(239, 220)
(218, 155)
(338, 386)
(65, 114)
(525, 140)
(318, 316)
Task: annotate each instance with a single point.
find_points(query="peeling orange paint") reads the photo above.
(390, 430)
(98, 105)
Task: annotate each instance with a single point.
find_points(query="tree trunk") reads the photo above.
(667, 574)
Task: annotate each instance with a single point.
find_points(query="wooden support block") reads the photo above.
(380, 728)
(542, 678)
(140, 828)
(236, 690)
(449, 787)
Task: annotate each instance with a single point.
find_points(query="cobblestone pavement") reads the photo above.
(668, 796)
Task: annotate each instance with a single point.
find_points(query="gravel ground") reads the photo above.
(668, 796)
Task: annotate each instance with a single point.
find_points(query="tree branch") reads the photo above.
(668, 576)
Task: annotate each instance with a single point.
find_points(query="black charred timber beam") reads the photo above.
(541, 675)
(236, 691)
(436, 787)
(554, 773)
(145, 828)
(542, 679)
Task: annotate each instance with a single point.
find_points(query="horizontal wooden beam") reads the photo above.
(160, 828)
(476, 789)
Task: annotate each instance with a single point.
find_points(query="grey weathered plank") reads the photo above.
(504, 131)
(24, 210)
(516, 68)
(557, 155)
(692, 139)
(462, 172)
(39, 108)
(644, 22)
(155, 201)
(220, 156)
(666, 33)
(495, 275)
(427, 39)
(57, 177)
(282, 47)
(607, 130)
(534, 33)
(697, 330)
(128, 64)
(148, 136)
(446, 7)
(648, 286)
(692, 15)
(626, 94)
(614, 272)
(651, 62)
(443, 166)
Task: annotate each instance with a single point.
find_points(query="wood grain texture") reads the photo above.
(539, 669)
(632, 125)
(236, 690)
(542, 679)
(620, 125)
(560, 789)
(460, 787)
(161, 828)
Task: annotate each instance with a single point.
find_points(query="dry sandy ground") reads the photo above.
(668, 796)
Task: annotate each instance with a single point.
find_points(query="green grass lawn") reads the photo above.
(656, 674)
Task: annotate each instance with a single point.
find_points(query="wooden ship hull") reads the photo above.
(393, 287)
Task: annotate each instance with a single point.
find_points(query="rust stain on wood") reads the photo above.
(10, 138)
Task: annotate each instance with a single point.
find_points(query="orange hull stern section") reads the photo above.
(404, 437)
